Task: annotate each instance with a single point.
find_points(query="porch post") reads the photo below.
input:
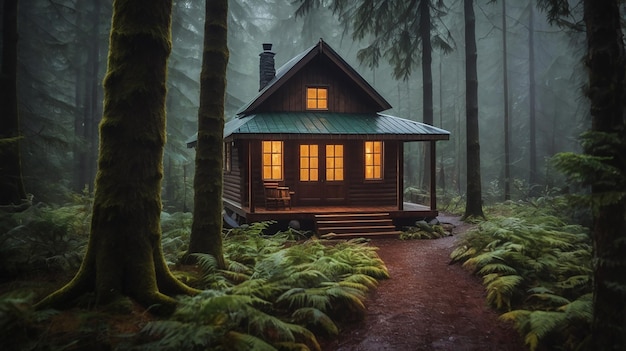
(433, 178)
(250, 186)
(400, 175)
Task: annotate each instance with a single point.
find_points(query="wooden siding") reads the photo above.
(233, 179)
(359, 192)
(344, 96)
(382, 192)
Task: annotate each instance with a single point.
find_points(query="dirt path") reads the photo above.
(427, 304)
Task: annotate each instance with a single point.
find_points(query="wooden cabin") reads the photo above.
(313, 148)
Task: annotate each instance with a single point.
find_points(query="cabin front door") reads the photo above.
(321, 178)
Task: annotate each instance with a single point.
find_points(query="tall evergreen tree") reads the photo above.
(473, 204)
(124, 255)
(603, 164)
(11, 182)
(206, 230)
(606, 62)
(507, 128)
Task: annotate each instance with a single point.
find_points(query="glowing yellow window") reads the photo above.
(334, 162)
(373, 159)
(309, 163)
(272, 160)
(317, 98)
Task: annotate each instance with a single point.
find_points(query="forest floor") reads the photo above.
(427, 304)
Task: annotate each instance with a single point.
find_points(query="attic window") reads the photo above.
(316, 98)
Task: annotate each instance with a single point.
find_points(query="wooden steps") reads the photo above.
(355, 225)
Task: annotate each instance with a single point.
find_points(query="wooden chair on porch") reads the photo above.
(277, 196)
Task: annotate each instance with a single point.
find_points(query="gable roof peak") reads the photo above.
(289, 69)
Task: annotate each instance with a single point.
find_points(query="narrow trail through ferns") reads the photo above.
(427, 304)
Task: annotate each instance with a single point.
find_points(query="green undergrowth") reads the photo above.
(276, 294)
(423, 230)
(537, 269)
(279, 292)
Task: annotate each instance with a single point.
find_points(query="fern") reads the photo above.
(554, 259)
(316, 320)
(501, 289)
(241, 341)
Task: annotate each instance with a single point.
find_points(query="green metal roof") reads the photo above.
(291, 125)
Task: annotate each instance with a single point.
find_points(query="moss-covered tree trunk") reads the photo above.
(473, 205)
(124, 255)
(11, 183)
(607, 62)
(206, 231)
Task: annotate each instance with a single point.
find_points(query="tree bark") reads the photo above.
(206, 230)
(124, 255)
(505, 89)
(532, 113)
(473, 205)
(11, 182)
(427, 81)
(606, 62)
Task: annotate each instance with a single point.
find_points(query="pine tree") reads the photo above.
(473, 205)
(603, 164)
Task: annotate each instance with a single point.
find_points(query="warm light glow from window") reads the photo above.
(334, 162)
(373, 159)
(309, 163)
(317, 98)
(272, 160)
(228, 157)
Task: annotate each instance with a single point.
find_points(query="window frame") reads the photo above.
(281, 165)
(317, 99)
(334, 168)
(309, 169)
(373, 164)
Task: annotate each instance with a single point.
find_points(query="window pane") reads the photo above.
(330, 150)
(339, 150)
(304, 175)
(321, 104)
(314, 175)
(330, 174)
(304, 150)
(377, 159)
(314, 163)
(311, 93)
(339, 174)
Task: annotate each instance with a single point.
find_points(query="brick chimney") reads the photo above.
(266, 66)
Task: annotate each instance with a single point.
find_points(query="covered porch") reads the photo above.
(306, 216)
